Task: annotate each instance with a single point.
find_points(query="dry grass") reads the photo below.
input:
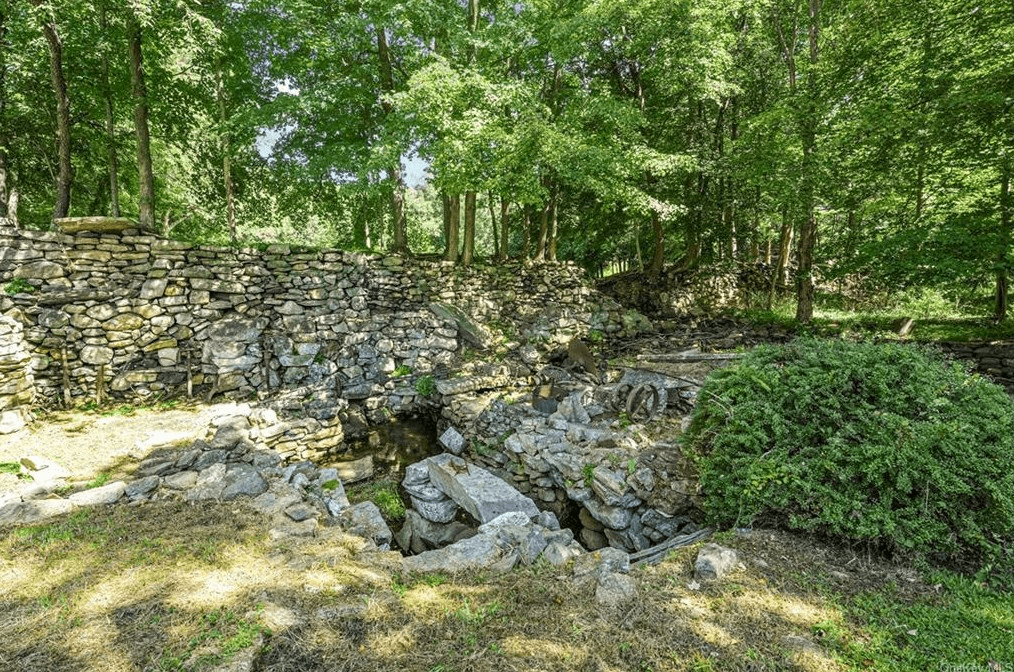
(176, 586)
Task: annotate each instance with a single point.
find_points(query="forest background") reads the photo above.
(867, 142)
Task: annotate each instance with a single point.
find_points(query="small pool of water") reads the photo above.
(394, 446)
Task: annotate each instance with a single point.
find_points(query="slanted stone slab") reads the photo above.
(476, 490)
(364, 520)
(107, 494)
(96, 224)
(468, 554)
(614, 590)
(474, 333)
(242, 479)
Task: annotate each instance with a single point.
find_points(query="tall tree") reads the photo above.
(65, 174)
(146, 192)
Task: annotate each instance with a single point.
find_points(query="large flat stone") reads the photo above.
(29, 513)
(476, 490)
(107, 494)
(468, 554)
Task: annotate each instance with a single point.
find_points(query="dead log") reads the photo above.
(689, 357)
(657, 553)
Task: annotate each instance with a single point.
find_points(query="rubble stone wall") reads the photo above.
(135, 315)
(17, 388)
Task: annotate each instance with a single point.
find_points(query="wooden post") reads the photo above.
(66, 378)
(190, 378)
(100, 385)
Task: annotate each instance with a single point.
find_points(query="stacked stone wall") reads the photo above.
(133, 315)
(17, 388)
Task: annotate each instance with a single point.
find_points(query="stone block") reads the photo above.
(476, 490)
(453, 441)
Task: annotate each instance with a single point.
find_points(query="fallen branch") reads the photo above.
(655, 554)
(689, 357)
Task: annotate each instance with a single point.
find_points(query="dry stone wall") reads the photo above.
(17, 388)
(133, 315)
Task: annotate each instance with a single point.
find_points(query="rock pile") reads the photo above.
(577, 459)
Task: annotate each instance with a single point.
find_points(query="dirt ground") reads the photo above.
(89, 443)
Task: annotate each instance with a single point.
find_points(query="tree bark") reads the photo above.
(808, 133)
(399, 244)
(784, 246)
(65, 172)
(5, 135)
(494, 225)
(146, 189)
(107, 95)
(468, 249)
(505, 206)
(658, 258)
(1006, 215)
(453, 222)
(226, 146)
(526, 250)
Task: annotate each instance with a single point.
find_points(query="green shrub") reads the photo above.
(885, 444)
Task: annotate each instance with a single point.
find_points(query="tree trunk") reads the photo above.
(400, 242)
(505, 207)
(107, 95)
(468, 249)
(146, 189)
(554, 225)
(445, 201)
(5, 135)
(784, 246)
(808, 133)
(65, 173)
(453, 221)
(658, 258)
(494, 225)
(226, 147)
(1006, 215)
(526, 250)
(544, 217)
(13, 198)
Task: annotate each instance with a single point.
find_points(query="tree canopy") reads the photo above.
(836, 138)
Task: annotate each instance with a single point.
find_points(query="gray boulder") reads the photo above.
(364, 520)
(243, 479)
(714, 562)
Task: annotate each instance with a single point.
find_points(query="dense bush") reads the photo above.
(887, 444)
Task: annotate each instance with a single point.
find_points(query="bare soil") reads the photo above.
(110, 441)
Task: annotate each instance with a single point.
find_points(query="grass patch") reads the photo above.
(383, 493)
(920, 635)
(174, 586)
(11, 468)
(98, 481)
(936, 319)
